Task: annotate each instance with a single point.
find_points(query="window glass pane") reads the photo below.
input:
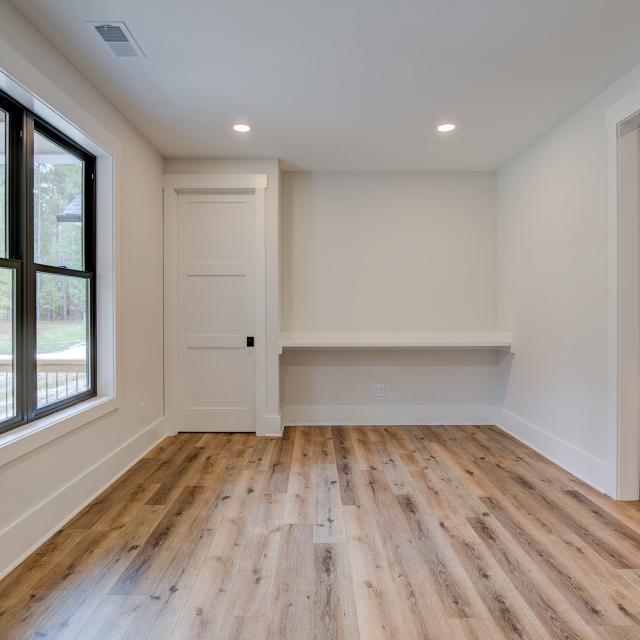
(7, 343)
(4, 143)
(62, 326)
(58, 205)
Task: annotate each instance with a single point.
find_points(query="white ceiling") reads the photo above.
(350, 84)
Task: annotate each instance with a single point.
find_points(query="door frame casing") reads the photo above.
(623, 458)
(175, 184)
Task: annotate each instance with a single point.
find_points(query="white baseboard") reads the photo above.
(583, 465)
(23, 536)
(382, 415)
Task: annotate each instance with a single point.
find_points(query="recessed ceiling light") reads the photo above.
(446, 128)
(241, 128)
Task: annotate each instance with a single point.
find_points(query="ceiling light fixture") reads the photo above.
(446, 128)
(241, 128)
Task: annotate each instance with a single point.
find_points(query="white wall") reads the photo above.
(553, 288)
(389, 252)
(41, 489)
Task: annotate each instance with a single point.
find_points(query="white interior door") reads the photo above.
(216, 297)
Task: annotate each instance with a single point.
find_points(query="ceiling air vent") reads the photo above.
(119, 39)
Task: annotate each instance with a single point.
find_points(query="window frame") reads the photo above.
(23, 124)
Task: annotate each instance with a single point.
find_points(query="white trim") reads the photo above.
(170, 304)
(261, 311)
(579, 463)
(384, 415)
(623, 479)
(182, 182)
(20, 441)
(77, 121)
(174, 184)
(273, 426)
(38, 524)
(396, 340)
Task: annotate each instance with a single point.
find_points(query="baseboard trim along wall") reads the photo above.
(23, 536)
(583, 465)
(383, 415)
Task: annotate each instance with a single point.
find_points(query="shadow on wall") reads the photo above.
(504, 372)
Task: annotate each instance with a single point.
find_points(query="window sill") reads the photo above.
(22, 440)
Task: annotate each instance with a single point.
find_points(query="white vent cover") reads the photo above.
(118, 38)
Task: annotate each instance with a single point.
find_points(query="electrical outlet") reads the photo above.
(540, 408)
(142, 410)
(377, 391)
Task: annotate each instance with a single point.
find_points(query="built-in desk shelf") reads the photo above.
(397, 340)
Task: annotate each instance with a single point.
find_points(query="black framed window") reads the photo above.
(47, 268)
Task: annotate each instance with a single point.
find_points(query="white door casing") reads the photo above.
(267, 423)
(624, 296)
(216, 312)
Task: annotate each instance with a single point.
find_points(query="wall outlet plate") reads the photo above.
(377, 391)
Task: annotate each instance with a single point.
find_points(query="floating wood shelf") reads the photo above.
(397, 340)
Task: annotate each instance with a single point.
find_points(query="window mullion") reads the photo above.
(29, 361)
(62, 271)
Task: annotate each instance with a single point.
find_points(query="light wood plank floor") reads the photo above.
(453, 533)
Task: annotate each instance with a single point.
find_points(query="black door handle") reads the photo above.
(250, 341)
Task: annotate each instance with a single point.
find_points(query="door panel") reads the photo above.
(216, 253)
(205, 293)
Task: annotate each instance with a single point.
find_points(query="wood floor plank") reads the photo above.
(416, 602)
(364, 449)
(344, 460)
(446, 478)
(378, 615)
(280, 463)
(157, 615)
(324, 450)
(301, 491)
(205, 469)
(543, 551)
(210, 600)
(473, 629)
(155, 553)
(294, 598)
(23, 578)
(171, 457)
(328, 526)
(450, 592)
(508, 610)
(516, 483)
(397, 474)
(96, 513)
(618, 633)
(21, 617)
(342, 533)
(575, 497)
(259, 549)
(111, 618)
(334, 608)
(84, 587)
(559, 621)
